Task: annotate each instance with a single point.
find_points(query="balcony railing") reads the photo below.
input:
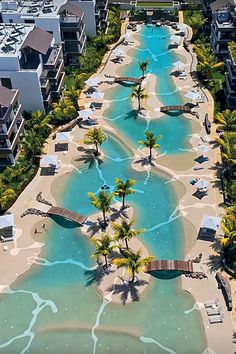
(52, 57)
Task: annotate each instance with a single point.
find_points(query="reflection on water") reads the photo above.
(56, 308)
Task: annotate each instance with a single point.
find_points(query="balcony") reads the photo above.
(30, 61)
(9, 145)
(53, 75)
(232, 74)
(47, 100)
(57, 87)
(51, 58)
(224, 20)
(70, 21)
(45, 84)
(231, 88)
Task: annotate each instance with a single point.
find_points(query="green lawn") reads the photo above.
(154, 4)
(69, 81)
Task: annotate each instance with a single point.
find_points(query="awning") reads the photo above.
(97, 96)
(85, 113)
(92, 81)
(210, 222)
(63, 137)
(193, 95)
(201, 184)
(49, 160)
(118, 52)
(179, 64)
(6, 220)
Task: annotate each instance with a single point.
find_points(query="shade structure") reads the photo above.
(175, 39)
(49, 160)
(179, 64)
(210, 222)
(85, 113)
(92, 81)
(118, 52)
(97, 96)
(193, 95)
(203, 149)
(62, 137)
(201, 184)
(6, 220)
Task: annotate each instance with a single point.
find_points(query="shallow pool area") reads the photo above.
(56, 306)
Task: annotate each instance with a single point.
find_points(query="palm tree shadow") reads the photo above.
(89, 159)
(127, 288)
(96, 276)
(215, 262)
(144, 161)
(132, 114)
(117, 213)
(94, 228)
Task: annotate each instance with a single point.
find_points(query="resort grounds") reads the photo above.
(178, 169)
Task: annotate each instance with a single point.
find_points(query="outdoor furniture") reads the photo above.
(6, 227)
(224, 285)
(216, 318)
(211, 303)
(214, 311)
(207, 124)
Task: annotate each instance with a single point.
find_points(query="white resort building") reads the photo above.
(31, 63)
(11, 125)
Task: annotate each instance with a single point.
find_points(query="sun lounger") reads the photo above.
(216, 319)
(211, 303)
(214, 311)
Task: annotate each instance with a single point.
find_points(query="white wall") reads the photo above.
(89, 16)
(16, 18)
(9, 62)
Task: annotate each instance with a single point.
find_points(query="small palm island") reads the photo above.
(118, 203)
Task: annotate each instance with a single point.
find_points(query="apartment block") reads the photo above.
(230, 79)
(31, 62)
(64, 20)
(223, 28)
(11, 125)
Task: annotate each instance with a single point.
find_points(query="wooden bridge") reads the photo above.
(128, 79)
(182, 266)
(67, 214)
(184, 108)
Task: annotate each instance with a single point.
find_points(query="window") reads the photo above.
(6, 82)
(10, 21)
(29, 21)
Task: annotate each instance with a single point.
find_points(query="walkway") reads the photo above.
(67, 214)
(184, 108)
(128, 79)
(183, 266)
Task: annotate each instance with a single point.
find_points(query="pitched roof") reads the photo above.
(72, 8)
(38, 40)
(6, 96)
(217, 4)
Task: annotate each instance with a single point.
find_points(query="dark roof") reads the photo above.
(6, 96)
(72, 9)
(38, 40)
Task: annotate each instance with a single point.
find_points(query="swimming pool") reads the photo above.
(56, 308)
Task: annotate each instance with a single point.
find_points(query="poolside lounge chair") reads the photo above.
(214, 311)
(217, 318)
(211, 303)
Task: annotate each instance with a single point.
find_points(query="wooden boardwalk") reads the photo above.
(186, 109)
(67, 214)
(128, 79)
(183, 266)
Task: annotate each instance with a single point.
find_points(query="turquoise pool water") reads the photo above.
(56, 307)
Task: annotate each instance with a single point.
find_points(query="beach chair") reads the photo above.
(214, 311)
(216, 318)
(211, 303)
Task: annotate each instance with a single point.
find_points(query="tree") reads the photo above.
(103, 248)
(143, 66)
(125, 232)
(207, 62)
(196, 22)
(95, 136)
(228, 151)
(228, 226)
(138, 93)
(64, 111)
(122, 189)
(150, 142)
(6, 196)
(102, 202)
(227, 119)
(32, 144)
(133, 262)
(72, 94)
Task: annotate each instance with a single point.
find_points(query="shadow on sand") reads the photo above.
(96, 276)
(144, 161)
(126, 289)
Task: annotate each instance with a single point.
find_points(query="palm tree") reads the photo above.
(228, 226)
(150, 142)
(133, 262)
(102, 202)
(227, 119)
(122, 189)
(95, 136)
(207, 63)
(103, 248)
(143, 66)
(32, 145)
(138, 92)
(228, 151)
(72, 94)
(125, 232)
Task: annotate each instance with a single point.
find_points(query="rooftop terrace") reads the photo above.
(31, 7)
(12, 36)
